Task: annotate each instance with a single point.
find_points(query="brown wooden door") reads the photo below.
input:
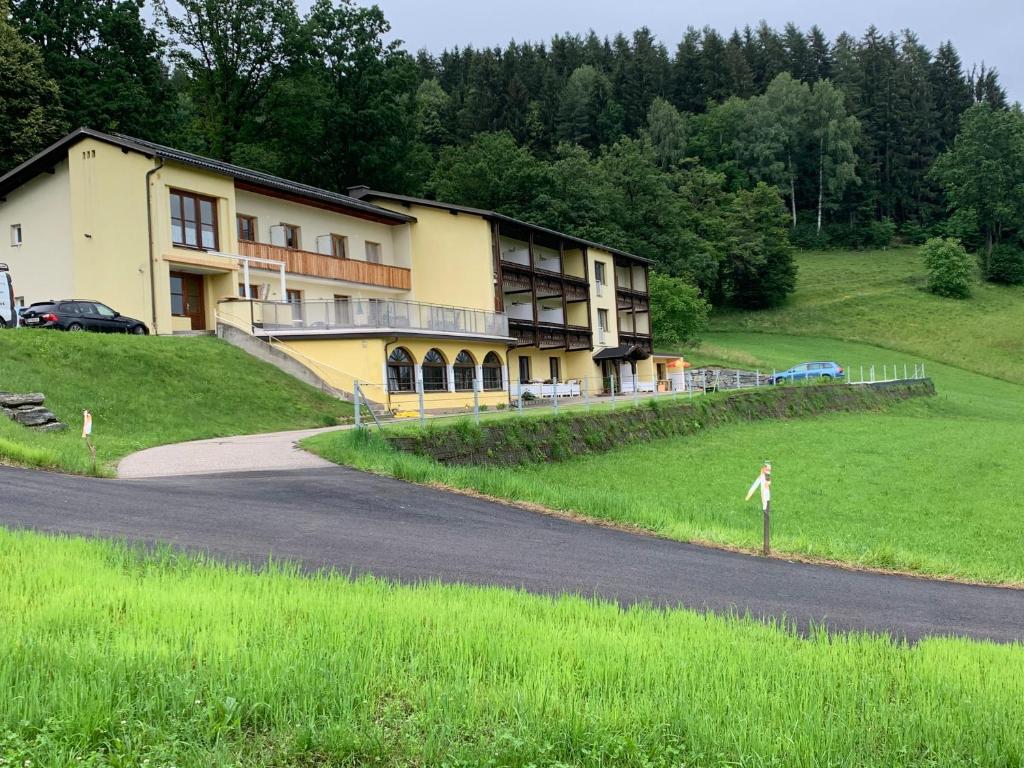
(187, 299)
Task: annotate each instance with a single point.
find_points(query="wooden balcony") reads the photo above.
(318, 265)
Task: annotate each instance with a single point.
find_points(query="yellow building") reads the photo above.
(410, 298)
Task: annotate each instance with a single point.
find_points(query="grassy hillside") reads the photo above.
(145, 391)
(114, 659)
(878, 298)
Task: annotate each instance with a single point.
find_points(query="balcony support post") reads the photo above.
(245, 277)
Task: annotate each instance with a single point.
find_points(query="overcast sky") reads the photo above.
(982, 30)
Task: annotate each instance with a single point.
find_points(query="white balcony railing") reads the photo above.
(368, 315)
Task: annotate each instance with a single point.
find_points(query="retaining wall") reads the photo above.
(513, 440)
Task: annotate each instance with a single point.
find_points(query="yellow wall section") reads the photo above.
(452, 260)
(271, 211)
(341, 361)
(607, 301)
(43, 266)
(108, 222)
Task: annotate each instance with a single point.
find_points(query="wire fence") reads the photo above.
(437, 396)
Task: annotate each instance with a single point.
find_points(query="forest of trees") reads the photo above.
(712, 155)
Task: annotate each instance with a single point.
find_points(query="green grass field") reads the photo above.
(926, 487)
(113, 659)
(878, 298)
(145, 391)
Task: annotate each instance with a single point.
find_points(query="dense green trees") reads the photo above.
(683, 154)
(106, 59)
(30, 112)
(983, 177)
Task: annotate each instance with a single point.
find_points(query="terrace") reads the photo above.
(369, 317)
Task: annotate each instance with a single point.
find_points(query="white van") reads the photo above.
(8, 310)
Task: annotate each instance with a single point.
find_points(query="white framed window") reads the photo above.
(15, 235)
(373, 254)
(599, 278)
(602, 325)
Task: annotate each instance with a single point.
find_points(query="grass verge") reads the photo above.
(145, 391)
(114, 658)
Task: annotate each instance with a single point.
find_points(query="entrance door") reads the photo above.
(187, 299)
(608, 371)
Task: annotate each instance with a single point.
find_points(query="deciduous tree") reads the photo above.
(30, 112)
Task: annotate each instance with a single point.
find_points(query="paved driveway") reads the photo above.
(358, 523)
(243, 453)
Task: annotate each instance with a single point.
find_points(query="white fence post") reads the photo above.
(611, 378)
(554, 393)
(476, 400)
(586, 391)
(636, 389)
(419, 391)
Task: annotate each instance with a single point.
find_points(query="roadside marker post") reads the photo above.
(87, 436)
(764, 482)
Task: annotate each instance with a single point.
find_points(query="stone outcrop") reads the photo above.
(28, 409)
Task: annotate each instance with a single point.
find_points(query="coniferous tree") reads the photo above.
(688, 92)
(952, 92)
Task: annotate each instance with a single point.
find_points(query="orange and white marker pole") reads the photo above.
(87, 436)
(764, 482)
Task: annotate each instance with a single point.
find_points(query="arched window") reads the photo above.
(435, 372)
(465, 371)
(401, 374)
(492, 371)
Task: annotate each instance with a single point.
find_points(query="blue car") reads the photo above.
(809, 371)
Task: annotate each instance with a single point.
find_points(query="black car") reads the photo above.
(80, 315)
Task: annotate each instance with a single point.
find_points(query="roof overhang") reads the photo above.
(622, 352)
(265, 183)
(365, 193)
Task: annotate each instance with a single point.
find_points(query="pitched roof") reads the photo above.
(56, 152)
(363, 192)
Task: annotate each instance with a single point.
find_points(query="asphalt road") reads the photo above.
(360, 523)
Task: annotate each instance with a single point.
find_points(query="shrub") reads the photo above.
(950, 268)
(1006, 265)
(806, 237)
(915, 233)
(880, 233)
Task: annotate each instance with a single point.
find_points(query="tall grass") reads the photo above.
(114, 658)
(145, 391)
